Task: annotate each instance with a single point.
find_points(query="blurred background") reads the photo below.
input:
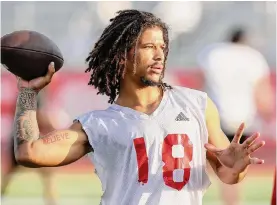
(75, 27)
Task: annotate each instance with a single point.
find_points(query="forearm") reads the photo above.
(25, 127)
(32, 149)
(53, 149)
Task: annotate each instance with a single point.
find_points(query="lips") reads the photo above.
(157, 69)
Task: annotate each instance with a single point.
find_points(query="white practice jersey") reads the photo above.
(156, 159)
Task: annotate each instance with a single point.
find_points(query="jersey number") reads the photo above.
(170, 163)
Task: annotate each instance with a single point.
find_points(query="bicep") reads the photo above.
(60, 147)
(216, 135)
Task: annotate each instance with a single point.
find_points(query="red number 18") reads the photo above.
(170, 163)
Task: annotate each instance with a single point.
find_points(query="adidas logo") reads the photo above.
(181, 117)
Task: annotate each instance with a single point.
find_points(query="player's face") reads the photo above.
(148, 59)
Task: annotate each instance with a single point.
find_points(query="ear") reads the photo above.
(122, 61)
(120, 58)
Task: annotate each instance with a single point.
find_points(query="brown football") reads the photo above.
(27, 54)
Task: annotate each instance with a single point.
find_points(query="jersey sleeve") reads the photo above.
(201, 99)
(89, 125)
(99, 133)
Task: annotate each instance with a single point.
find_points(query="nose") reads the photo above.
(159, 54)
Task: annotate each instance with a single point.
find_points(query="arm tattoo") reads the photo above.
(25, 123)
(27, 99)
(55, 138)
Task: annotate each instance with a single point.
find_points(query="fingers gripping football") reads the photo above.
(38, 83)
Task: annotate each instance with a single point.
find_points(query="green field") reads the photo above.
(85, 189)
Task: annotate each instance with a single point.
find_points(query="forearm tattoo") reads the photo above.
(25, 123)
(27, 99)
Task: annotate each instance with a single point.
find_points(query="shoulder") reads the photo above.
(193, 96)
(188, 92)
(96, 116)
(198, 99)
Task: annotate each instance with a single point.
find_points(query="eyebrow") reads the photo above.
(148, 43)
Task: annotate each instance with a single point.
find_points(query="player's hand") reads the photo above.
(38, 83)
(237, 156)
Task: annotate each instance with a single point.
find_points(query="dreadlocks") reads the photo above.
(115, 42)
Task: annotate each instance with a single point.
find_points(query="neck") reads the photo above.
(133, 95)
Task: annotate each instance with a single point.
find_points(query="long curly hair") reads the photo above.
(116, 40)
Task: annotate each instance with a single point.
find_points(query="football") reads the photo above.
(27, 54)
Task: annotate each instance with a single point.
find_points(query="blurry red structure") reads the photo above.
(68, 96)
